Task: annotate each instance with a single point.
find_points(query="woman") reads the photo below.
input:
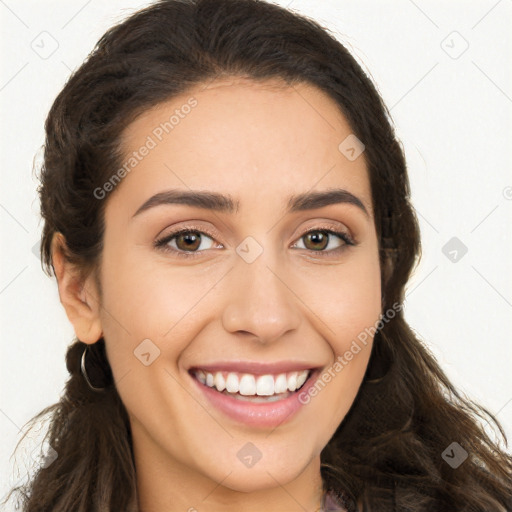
(227, 215)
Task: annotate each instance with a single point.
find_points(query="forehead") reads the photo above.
(259, 142)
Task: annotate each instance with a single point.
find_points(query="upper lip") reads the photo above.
(255, 367)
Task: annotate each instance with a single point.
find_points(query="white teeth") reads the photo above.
(232, 384)
(292, 381)
(265, 385)
(301, 379)
(201, 377)
(247, 384)
(219, 381)
(281, 383)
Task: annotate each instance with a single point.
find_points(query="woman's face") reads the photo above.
(247, 292)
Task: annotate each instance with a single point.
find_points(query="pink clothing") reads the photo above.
(331, 503)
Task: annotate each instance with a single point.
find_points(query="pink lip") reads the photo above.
(256, 368)
(260, 415)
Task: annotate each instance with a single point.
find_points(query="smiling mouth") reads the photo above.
(253, 388)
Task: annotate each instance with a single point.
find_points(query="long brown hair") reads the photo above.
(387, 452)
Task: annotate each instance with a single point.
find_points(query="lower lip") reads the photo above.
(270, 414)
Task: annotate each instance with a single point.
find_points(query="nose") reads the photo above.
(261, 302)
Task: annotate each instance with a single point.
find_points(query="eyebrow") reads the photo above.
(226, 204)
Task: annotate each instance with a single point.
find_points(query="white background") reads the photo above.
(453, 115)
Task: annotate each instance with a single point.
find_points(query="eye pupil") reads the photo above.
(192, 240)
(317, 237)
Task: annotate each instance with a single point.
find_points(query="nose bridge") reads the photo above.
(260, 303)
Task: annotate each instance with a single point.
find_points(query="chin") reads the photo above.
(249, 481)
(278, 469)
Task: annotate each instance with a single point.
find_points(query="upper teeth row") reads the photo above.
(248, 384)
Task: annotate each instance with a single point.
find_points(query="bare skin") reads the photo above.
(299, 300)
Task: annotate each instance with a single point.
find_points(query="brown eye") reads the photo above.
(316, 240)
(321, 241)
(190, 240)
(186, 242)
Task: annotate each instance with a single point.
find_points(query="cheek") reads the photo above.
(349, 307)
(346, 298)
(359, 302)
(150, 307)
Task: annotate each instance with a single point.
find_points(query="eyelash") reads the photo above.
(161, 243)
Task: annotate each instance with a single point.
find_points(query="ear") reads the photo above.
(79, 296)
